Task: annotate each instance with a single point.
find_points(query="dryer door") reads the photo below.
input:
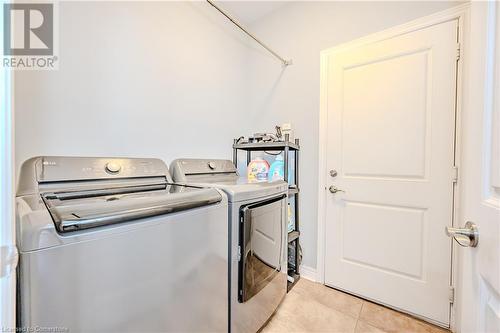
(261, 236)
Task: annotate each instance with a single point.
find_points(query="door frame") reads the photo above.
(8, 250)
(460, 13)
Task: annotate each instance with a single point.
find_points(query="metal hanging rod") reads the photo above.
(283, 60)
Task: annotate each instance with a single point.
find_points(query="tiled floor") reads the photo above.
(312, 307)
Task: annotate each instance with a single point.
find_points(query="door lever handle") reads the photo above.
(467, 237)
(334, 189)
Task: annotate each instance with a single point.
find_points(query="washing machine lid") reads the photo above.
(222, 174)
(79, 210)
(84, 192)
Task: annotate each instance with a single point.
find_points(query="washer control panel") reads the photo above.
(55, 168)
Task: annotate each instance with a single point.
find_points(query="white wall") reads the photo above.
(155, 79)
(300, 31)
(171, 79)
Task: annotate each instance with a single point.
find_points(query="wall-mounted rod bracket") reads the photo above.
(283, 60)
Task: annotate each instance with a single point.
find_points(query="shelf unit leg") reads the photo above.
(235, 154)
(297, 247)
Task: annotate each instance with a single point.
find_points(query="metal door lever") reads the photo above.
(334, 189)
(467, 237)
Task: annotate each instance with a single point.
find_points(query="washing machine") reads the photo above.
(258, 233)
(112, 245)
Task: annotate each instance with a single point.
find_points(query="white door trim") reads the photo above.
(8, 250)
(458, 12)
(479, 202)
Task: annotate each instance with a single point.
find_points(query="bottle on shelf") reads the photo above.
(258, 170)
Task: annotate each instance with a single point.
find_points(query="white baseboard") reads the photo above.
(308, 273)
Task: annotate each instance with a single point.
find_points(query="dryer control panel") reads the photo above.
(191, 169)
(204, 166)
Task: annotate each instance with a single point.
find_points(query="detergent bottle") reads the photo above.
(258, 171)
(276, 172)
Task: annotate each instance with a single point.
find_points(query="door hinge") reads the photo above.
(239, 253)
(454, 175)
(451, 294)
(459, 51)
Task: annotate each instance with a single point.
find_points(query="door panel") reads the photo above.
(395, 255)
(400, 148)
(391, 119)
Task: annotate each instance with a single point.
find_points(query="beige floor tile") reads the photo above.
(330, 297)
(280, 325)
(393, 321)
(362, 327)
(312, 307)
(299, 313)
(284, 320)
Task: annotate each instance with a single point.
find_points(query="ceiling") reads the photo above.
(248, 12)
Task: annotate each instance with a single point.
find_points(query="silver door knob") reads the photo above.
(467, 237)
(334, 189)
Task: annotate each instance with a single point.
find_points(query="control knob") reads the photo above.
(113, 167)
(212, 165)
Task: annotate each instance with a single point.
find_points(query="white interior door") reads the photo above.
(479, 278)
(391, 124)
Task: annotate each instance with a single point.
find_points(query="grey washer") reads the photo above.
(257, 227)
(110, 245)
